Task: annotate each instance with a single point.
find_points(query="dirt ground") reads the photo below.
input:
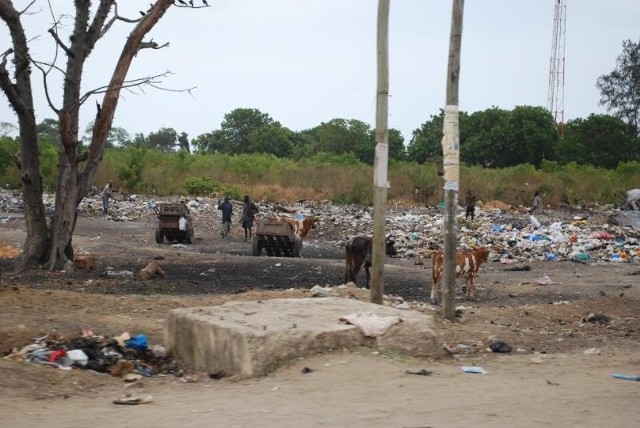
(547, 380)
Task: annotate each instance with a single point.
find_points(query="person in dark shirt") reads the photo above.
(470, 205)
(227, 211)
(249, 211)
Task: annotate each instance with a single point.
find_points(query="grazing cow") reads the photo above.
(467, 265)
(358, 254)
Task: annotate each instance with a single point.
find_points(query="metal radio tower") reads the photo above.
(555, 100)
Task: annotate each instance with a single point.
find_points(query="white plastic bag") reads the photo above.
(534, 222)
(182, 224)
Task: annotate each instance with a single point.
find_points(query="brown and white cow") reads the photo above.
(358, 254)
(301, 224)
(467, 264)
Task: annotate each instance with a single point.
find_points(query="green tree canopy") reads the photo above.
(533, 136)
(273, 139)
(599, 140)
(164, 140)
(211, 142)
(49, 130)
(492, 138)
(620, 89)
(238, 124)
(486, 129)
(117, 137)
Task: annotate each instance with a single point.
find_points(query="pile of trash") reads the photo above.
(604, 234)
(119, 356)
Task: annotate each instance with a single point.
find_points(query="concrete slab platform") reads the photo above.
(250, 339)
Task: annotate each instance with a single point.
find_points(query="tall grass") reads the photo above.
(342, 179)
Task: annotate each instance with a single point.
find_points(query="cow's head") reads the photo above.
(389, 246)
(482, 254)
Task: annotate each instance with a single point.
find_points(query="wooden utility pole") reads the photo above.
(451, 162)
(380, 181)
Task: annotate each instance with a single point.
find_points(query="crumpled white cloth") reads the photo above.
(370, 324)
(544, 280)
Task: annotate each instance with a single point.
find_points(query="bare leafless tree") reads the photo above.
(50, 243)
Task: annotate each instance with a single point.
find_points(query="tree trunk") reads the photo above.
(75, 170)
(34, 250)
(20, 97)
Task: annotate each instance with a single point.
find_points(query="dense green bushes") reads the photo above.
(338, 178)
(343, 179)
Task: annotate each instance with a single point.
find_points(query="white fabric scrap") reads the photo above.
(371, 324)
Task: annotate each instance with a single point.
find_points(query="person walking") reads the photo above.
(227, 212)
(537, 203)
(249, 211)
(107, 194)
(470, 205)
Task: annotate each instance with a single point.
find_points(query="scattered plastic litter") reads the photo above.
(473, 369)
(545, 280)
(580, 258)
(134, 400)
(578, 238)
(120, 273)
(118, 356)
(596, 318)
(534, 222)
(139, 342)
(499, 347)
(497, 228)
(423, 372)
(626, 377)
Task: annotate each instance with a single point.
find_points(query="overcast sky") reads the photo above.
(305, 62)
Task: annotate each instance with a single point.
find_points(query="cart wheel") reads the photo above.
(159, 236)
(256, 250)
(189, 236)
(297, 247)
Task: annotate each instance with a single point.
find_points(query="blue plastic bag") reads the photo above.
(138, 342)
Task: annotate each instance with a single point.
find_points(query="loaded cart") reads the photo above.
(277, 238)
(174, 223)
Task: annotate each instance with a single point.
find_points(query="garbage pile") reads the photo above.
(119, 356)
(605, 234)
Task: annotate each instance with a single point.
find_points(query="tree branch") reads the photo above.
(127, 84)
(18, 93)
(27, 7)
(45, 84)
(5, 81)
(64, 47)
(97, 28)
(15, 158)
(152, 45)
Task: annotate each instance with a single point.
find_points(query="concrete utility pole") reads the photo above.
(380, 180)
(451, 161)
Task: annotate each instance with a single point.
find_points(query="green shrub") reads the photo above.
(343, 179)
(199, 186)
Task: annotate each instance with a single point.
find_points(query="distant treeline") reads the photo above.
(506, 155)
